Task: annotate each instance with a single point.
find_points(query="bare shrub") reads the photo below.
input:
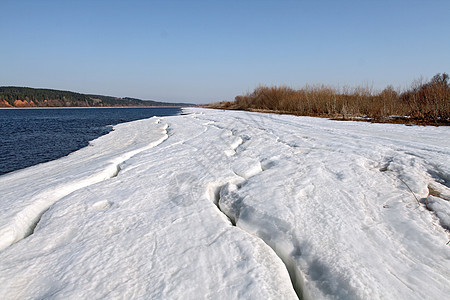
(423, 101)
(430, 100)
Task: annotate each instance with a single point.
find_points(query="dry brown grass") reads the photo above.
(424, 102)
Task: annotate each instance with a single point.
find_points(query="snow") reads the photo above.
(225, 204)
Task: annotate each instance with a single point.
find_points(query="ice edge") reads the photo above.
(26, 220)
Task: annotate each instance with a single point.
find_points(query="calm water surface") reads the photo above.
(32, 136)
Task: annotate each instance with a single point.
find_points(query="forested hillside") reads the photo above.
(30, 97)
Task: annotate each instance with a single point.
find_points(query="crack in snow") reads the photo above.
(231, 210)
(293, 270)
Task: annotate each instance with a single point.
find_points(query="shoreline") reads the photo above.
(405, 120)
(62, 107)
(60, 151)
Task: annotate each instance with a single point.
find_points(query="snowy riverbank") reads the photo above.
(223, 204)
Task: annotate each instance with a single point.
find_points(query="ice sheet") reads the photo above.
(344, 210)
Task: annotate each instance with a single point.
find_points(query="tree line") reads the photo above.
(426, 102)
(11, 96)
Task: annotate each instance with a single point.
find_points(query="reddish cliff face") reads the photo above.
(5, 104)
(24, 103)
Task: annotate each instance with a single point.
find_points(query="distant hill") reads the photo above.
(11, 96)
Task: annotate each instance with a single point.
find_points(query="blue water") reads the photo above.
(32, 136)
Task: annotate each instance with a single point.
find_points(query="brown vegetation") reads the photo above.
(424, 102)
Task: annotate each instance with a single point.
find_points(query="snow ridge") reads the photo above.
(23, 223)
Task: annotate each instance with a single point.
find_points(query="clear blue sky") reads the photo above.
(205, 51)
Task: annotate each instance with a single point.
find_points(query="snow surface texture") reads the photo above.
(227, 205)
